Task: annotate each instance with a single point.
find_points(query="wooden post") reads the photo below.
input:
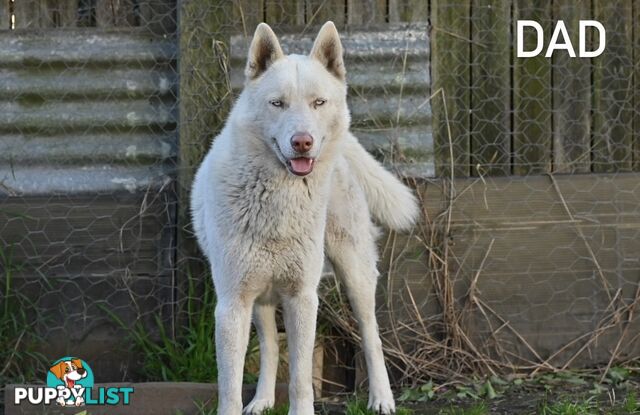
(27, 14)
(491, 88)
(110, 13)
(409, 10)
(319, 11)
(5, 15)
(571, 96)
(248, 13)
(68, 13)
(636, 87)
(613, 89)
(204, 102)
(532, 96)
(159, 16)
(451, 74)
(283, 13)
(45, 13)
(365, 12)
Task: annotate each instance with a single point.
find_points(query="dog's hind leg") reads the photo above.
(355, 265)
(233, 321)
(264, 318)
(300, 313)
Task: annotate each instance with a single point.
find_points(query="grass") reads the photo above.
(19, 360)
(569, 408)
(591, 406)
(563, 393)
(477, 409)
(187, 355)
(359, 407)
(353, 407)
(207, 409)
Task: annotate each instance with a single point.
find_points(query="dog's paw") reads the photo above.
(382, 406)
(258, 406)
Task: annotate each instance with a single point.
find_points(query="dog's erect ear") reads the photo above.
(264, 50)
(328, 50)
(58, 369)
(77, 362)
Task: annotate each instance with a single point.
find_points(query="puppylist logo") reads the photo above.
(70, 383)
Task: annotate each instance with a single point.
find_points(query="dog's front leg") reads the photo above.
(300, 312)
(233, 319)
(265, 321)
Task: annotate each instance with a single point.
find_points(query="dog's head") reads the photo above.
(296, 103)
(69, 371)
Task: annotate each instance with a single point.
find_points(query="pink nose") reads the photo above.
(301, 142)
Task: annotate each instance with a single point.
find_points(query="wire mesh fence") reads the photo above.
(527, 257)
(88, 149)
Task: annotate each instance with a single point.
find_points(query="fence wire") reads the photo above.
(88, 161)
(527, 256)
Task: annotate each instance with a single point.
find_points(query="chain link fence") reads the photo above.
(527, 255)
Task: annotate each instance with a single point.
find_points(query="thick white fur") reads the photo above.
(389, 201)
(266, 231)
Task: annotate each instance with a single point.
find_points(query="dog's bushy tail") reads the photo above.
(390, 201)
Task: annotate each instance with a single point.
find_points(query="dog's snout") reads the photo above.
(301, 142)
(81, 371)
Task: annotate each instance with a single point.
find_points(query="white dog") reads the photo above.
(284, 184)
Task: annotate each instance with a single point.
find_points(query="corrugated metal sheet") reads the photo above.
(88, 145)
(86, 112)
(389, 84)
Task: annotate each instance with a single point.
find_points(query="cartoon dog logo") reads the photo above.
(69, 372)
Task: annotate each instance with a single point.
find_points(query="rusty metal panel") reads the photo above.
(86, 112)
(389, 87)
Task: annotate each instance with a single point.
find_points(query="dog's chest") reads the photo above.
(277, 223)
(276, 211)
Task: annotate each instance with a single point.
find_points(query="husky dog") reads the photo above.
(285, 183)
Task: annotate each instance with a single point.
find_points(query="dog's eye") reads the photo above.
(276, 103)
(319, 102)
(66, 369)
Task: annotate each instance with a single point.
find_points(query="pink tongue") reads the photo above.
(301, 164)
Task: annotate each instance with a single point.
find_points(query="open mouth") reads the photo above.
(70, 383)
(300, 166)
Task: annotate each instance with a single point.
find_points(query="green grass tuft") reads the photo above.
(280, 410)
(631, 404)
(566, 407)
(204, 409)
(359, 407)
(477, 409)
(19, 360)
(189, 355)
